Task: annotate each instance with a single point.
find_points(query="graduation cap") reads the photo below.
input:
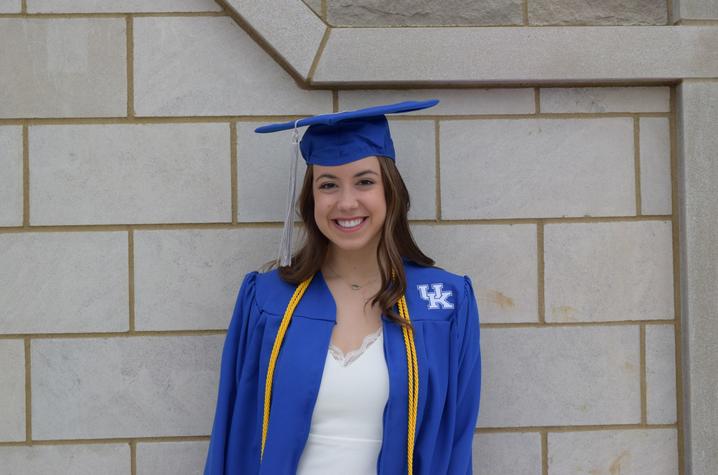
(336, 139)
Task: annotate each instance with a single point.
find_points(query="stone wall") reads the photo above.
(490, 12)
(134, 196)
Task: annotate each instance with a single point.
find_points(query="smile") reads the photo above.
(350, 225)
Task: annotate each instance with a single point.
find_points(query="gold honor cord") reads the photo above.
(412, 369)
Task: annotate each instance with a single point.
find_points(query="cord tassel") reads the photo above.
(285, 245)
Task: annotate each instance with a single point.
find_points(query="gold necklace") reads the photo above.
(353, 286)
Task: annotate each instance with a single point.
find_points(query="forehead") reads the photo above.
(348, 170)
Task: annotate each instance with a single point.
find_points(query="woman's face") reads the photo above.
(349, 204)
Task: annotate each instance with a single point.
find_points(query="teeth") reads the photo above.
(349, 224)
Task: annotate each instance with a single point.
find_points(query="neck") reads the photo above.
(356, 265)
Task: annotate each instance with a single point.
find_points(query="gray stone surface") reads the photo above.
(660, 374)
(295, 33)
(500, 259)
(605, 99)
(315, 5)
(451, 101)
(149, 386)
(614, 452)
(607, 12)
(695, 10)
(529, 168)
(560, 376)
(423, 12)
(130, 173)
(415, 147)
(608, 271)
(63, 282)
(655, 163)
(507, 453)
(697, 103)
(133, 6)
(12, 391)
(11, 177)
(171, 458)
(189, 279)
(67, 67)
(263, 170)
(538, 55)
(263, 165)
(200, 66)
(10, 6)
(91, 459)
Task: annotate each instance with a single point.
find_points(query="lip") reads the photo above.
(350, 230)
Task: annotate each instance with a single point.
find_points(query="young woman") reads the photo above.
(356, 355)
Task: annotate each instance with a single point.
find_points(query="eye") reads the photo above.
(325, 185)
(368, 182)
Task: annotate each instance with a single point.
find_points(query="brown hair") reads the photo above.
(395, 241)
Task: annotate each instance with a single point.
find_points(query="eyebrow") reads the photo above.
(327, 175)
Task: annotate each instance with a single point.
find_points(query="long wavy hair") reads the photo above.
(395, 241)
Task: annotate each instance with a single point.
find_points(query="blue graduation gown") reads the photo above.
(443, 309)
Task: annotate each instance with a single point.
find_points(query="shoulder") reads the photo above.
(435, 291)
(270, 289)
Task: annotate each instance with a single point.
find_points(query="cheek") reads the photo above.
(320, 208)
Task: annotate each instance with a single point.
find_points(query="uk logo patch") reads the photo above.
(437, 298)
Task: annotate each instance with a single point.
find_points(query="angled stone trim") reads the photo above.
(288, 28)
(319, 55)
(517, 54)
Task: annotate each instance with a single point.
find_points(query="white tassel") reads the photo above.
(285, 245)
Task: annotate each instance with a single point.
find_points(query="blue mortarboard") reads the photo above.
(336, 139)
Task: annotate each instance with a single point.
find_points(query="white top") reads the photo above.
(347, 423)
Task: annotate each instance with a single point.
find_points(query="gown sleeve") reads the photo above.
(235, 345)
(469, 381)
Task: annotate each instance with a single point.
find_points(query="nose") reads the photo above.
(347, 199)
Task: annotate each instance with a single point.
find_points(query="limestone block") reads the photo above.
(423, 12)
(694, 10)
(697, 106)
(560, 376)
(10, 6)
(605, 99)
(63, 282)
(660, 374)
(121, 6)
(149, 386)
(290, 26)
(451, 101)
(263, 164)
(189, 279)
(553, 54)
(655, 162)
(63, 67)
(500, 259)
(507, 453)
(609, 12)
(609, 452)
(415, 147)
(12, 391)
(204, 66)
(11, 177)
(608, 271)
(171, 458)
(529, 168)
(130, 173)
(315, 5)
(91, 459)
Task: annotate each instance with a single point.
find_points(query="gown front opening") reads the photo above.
(345, 435)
